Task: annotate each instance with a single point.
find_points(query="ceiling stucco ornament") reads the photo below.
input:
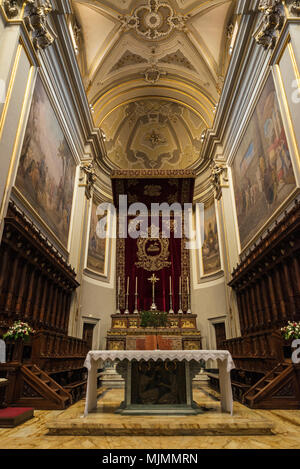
(177, 58)
(36, 23)
(88, 177)
(272, 21)
(219, 178)
(154, 20)
(11, 8)
(152, 75)
(127, 59)
(295, 7)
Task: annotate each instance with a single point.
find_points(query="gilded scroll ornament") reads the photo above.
(11, 8)
(36, 23)
(153, 254)
(271, 22)
(219, 178)
(89, 174)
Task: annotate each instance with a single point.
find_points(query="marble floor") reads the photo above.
(34, 434)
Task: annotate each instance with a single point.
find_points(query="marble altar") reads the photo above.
(158, 381)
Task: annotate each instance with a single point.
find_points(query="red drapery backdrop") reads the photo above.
(162, 287)
(150, 187)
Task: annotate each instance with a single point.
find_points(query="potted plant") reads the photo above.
(16, 336)
(19, 331)
(290, 333)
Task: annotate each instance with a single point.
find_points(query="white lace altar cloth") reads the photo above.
(112, 355)
(96, 359)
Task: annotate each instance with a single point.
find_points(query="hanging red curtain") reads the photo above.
(155, 252)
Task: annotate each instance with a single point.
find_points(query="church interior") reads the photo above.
(120, 329)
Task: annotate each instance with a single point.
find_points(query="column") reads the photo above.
(267, 315)
(53, 312)
(279, 291)
(63, 311)
(20, 297)
(28, 305)
(289, 289)
(11, 286)
(37, 298)
(58, 309)
(50, 300)
(245, 310)
(43, 303)
(260, 309)
(272, 296)
(3, 270)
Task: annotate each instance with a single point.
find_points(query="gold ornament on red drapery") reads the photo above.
(153, 254)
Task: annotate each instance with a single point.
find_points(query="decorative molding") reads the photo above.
(11, 8)
(295, 7)
(36, 23)
(271, 22)
(152, 173)
(154, 20)
(219, 178)
(88, 173)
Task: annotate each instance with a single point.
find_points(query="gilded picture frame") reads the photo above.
(47, 170)
(263, 163)
(97, 249)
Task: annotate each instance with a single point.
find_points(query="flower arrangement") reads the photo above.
(154, 319)
(291, 331)
(19, 330)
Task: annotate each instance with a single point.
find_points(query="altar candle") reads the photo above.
(170, 284)
(127, 285)
(136, 285)
(188, 284)
(180, 284)
(119, 285)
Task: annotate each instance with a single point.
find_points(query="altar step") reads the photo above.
(278, 389)
(40, 391)
(171, 426)
(105, 422)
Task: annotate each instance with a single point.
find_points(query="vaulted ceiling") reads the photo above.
(155, 54)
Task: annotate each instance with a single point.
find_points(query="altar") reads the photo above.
(158, 381)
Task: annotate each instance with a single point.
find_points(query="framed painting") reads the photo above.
(210, 251)
(46, 172)
(262, 171)
(97, 254)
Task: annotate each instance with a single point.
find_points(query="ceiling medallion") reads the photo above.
(154, 20)
(153, 74)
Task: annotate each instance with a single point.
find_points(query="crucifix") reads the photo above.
(153, 280)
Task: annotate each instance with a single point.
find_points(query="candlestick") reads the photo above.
(189, 296)
(180, 297)
(136, 297)
(127, 296)
(171, 311)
